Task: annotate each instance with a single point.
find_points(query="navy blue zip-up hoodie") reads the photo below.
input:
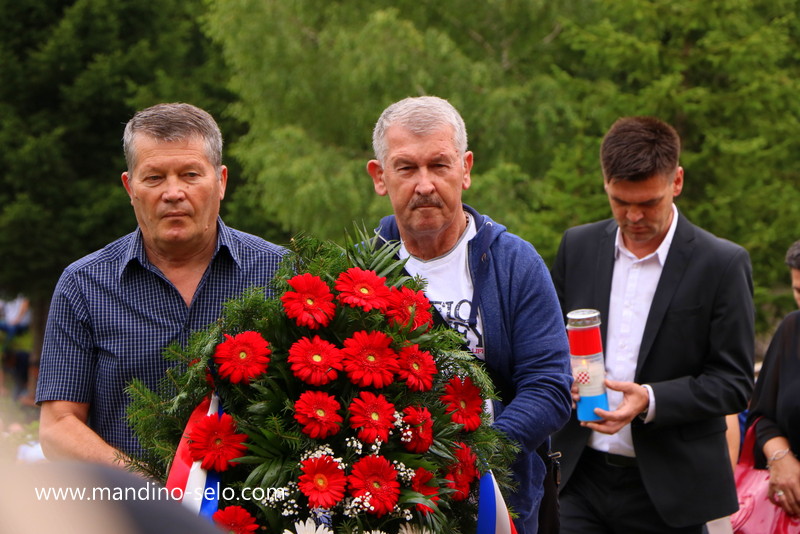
(526, 348)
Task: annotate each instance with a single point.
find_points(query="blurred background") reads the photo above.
(297, 86)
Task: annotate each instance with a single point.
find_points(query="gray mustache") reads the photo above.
(428, 200)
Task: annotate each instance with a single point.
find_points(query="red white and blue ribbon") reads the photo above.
(493, 516)
(198, 488)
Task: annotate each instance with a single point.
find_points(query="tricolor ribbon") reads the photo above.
(199, 488)
(493, 516)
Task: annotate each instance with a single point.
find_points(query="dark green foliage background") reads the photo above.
(297, 87)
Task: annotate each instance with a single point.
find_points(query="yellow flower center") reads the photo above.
(415, 366)
(375, 416)
(463, 404)
(309, 302)
(320, 412)
(317, 358)
(321, 481)
(375, 484)
(364, 290)
(218, 441)
(370, 357)
(242, 355)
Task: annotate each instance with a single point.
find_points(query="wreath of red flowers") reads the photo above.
(339, 395)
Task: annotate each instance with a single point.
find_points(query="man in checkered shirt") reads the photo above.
(115, 310)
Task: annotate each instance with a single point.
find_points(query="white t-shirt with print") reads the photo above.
(449, 287)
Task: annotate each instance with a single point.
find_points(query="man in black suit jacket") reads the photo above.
(678, 333)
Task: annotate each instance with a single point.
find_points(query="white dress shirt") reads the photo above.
(632, 288)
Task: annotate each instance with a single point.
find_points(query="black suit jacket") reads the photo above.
(696, 353)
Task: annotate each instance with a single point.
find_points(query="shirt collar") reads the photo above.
(660, 252)
(136, 252)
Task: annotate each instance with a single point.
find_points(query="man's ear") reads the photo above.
(126, 183)
(677, 183)
(467, 181)
(375, 170)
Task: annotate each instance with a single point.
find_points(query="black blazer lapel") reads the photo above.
(680, 252)
(604, 272)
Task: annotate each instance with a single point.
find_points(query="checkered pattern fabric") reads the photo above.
(113, 313)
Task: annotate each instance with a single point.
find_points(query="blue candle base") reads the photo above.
(587, 405)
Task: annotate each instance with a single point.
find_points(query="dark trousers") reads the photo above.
(605, 495)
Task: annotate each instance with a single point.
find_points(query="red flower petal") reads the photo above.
(375, 477)
(235, 519)
(417, 368)
(368, 360)
(464, 402)
(420, 423)
(409, 308)
(463, 473)
(214, 442)
(420, 484)
(362, 289)
(243, 357)
(311, 302)
(317, 412)
(373, 416)
(323, 481)
(315, 361)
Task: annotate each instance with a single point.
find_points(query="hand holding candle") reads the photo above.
(588, 366)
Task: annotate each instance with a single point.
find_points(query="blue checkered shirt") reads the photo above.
(113, 313)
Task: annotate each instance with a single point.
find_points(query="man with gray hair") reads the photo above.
(486, 283)
(793, 261)
(115, 310)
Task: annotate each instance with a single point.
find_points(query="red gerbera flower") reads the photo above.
(420, 433)
(373, 415)
(416, 368)
(464, 402)
(420, 484)
(322, 481)
(375, 479)
(235, 520)
(315, 361)
(317, 412)
(463, 473)
(242, 357)
(368, 359)
(409, 307)
(362, 289)
(311, 302)
(214, 442)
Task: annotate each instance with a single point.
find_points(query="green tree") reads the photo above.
(538, 84)
(313, 76)
(725, 74)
